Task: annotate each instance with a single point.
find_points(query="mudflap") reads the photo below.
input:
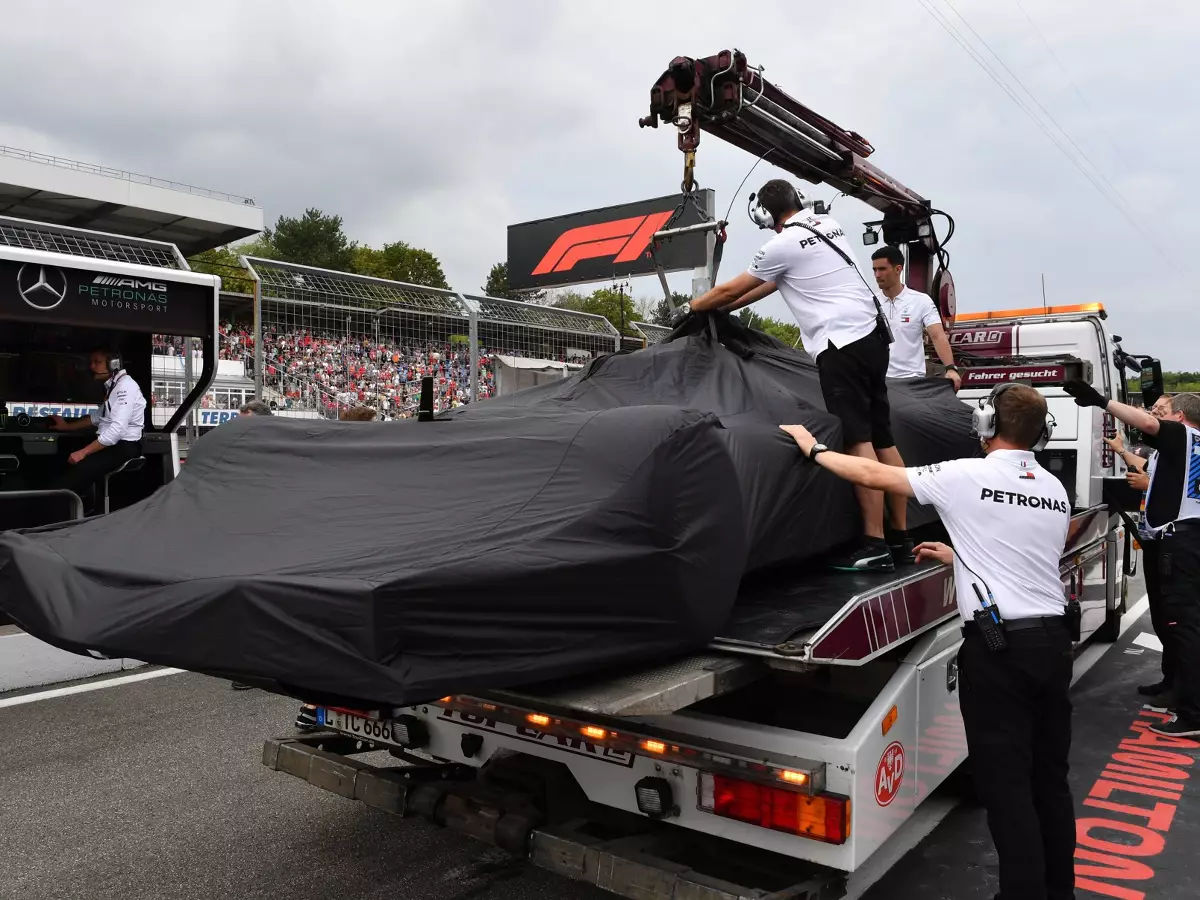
(1137, 801)
(533, 809)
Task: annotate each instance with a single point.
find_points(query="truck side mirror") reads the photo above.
(1151, 382)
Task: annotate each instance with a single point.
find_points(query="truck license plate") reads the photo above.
(373, 729)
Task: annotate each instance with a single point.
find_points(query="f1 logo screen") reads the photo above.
(599, 244)
(624, 240)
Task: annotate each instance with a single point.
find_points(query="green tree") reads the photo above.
(223, 261)
(260, 247)
(314, 239)
(787, 332)
(662, 310)
(498, 286)
(603, 302)
(400, 262)
(497, 281)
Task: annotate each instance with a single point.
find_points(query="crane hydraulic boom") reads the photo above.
(728, 98)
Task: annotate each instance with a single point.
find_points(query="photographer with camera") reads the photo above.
(1008, 519)
(1173, 519)
(1137, 476)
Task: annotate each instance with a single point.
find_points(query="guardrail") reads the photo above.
(77, 166)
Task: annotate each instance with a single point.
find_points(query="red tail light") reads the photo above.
(825, 817)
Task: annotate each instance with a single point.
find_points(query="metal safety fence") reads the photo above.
(654, 334)
(325, 341)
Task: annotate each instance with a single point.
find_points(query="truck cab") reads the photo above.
(1045, 347)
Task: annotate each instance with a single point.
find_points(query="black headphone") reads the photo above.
(763, 219)
(985, 419)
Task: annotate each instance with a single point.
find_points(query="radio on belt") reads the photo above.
(988, 621)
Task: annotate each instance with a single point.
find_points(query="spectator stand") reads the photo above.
(523, 344)
(334, 339)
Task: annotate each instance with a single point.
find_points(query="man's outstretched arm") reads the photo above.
(766, 289)
(867, 473)
(1086, 395)
(729, 292)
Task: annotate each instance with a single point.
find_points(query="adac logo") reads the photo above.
(624, 240)
(42, 287)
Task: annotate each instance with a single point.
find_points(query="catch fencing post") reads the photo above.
(473, 337)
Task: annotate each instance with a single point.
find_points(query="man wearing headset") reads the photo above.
(842, 324)
(118, 423)
(1007, 518)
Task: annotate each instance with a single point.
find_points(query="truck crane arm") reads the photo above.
(728, 98)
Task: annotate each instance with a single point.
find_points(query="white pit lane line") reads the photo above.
(85, 688)
(1149, 641)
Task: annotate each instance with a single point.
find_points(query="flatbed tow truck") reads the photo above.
(777, 762)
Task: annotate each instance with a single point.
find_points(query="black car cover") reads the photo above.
(602, 520)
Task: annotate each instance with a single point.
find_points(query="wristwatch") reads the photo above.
(816, 448)
(951, 367)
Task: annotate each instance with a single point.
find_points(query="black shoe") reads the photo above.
(872, 555)
(902, 552)
(1178, 727)
(1153, 690)
(238, 686)
(306, 719)
(1165, 700)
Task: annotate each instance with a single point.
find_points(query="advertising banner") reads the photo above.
(206, 418)
(987, 377)
(600, 244)
(60, 295)
(39, 410)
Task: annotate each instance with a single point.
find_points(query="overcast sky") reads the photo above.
(442, 123)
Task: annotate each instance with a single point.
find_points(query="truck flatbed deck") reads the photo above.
(783, 622)
(831, 617)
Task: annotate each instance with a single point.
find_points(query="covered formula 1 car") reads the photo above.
(602, 520)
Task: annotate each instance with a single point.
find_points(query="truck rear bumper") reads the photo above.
(635, 858)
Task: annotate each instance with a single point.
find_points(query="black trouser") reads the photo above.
(82, 476)
(1179, 574)
(1017, 714)
(1158, 619)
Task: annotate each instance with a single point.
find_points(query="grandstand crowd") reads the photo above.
(311, 369)
(338, 370)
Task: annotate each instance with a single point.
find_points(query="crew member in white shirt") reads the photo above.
(118, 423)
(911, 314)
(1007, 518)
(810, 262)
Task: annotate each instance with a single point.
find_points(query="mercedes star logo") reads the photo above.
(42, 287)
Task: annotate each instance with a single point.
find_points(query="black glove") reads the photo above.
(680, 315)
(1085, 394)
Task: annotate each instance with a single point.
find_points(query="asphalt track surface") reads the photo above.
(154, 790)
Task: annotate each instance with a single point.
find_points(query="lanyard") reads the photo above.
(880, 316)
(112, 387)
